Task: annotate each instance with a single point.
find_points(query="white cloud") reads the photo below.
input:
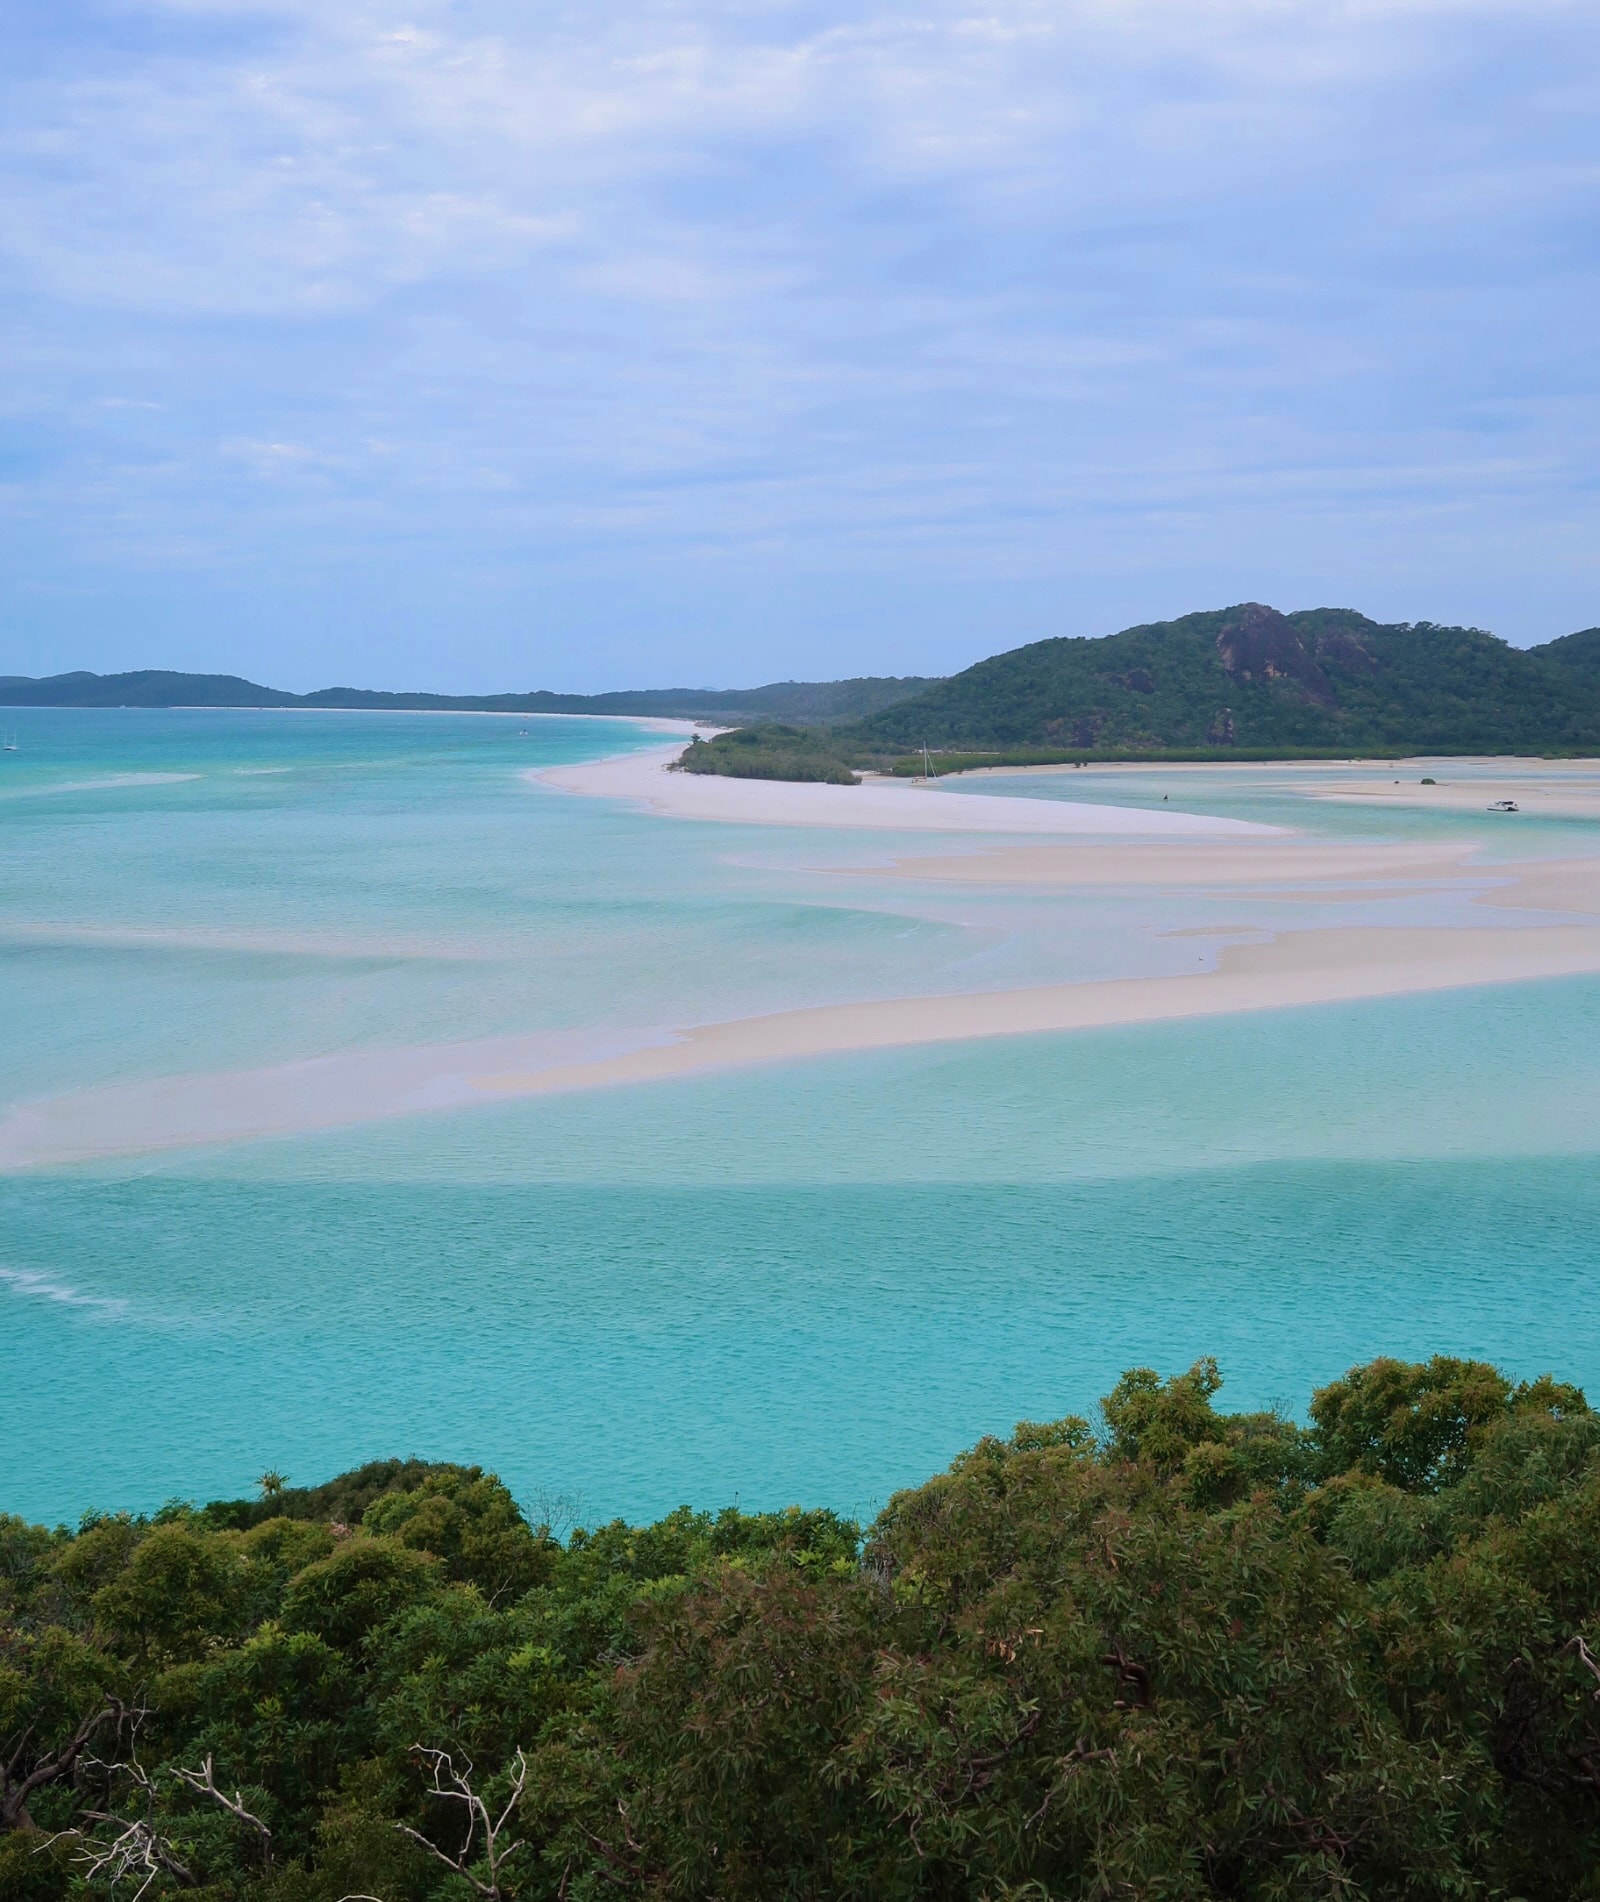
(978, 281)
(352, 148)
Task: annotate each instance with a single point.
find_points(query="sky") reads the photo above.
(500, 344)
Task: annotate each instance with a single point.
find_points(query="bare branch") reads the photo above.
(456, 1786)
(204, 1782)
(1585, 1657)
(556, 1512)
(1131, 1676)
(16, 1786)
(136, 1852)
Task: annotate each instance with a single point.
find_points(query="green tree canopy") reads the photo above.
(1195, 1654)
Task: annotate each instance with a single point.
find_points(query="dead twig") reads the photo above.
(204, 1783)
(455, 1786)
(1585, 1657)
(1131, 1675)
(138, 1851)
(17, 1784)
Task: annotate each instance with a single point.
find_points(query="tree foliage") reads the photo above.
(771, 751)
(1240, 682)
(1185, 1653)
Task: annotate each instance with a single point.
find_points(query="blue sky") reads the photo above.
(477, 345)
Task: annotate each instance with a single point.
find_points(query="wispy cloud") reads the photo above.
(1089, 308)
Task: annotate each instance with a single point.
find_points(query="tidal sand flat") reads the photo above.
(645, 776)
(1194, 856)
(1296, 968)
(346, 1054)
(1552, 789)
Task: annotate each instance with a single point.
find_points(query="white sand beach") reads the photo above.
(1542, 789)
(1286, 970)
(358, 1086)
(1296, 968)
(882, 805)
(1198, 858)
(1276, 859)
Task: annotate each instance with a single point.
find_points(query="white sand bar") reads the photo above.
(1283, 860)
(285, 1099)
(1298, 968)
(1294, 968)
(877, 805)
(1540, 788)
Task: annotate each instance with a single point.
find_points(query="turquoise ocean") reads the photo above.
(809, 1282)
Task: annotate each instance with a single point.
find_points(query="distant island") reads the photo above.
(1244, 682)
(1238, 683)
(804, 701)
(1178, 1652)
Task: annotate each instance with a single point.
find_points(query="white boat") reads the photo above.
(1504, 805)
(9, 744)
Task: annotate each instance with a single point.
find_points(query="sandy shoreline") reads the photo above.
(1298, 968)
(1552, 789)
(1291, 969)
(1039, 845)
(1574, 796)
(1283, 861)
(883, 806)
(1420, 763)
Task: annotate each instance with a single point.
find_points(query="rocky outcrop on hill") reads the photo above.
(1252, 678)
(1259, 643)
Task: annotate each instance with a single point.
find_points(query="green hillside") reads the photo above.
(1241, 682)
(798, 702)
(147, 687)
(1235, 682)
(1251, 678)
(1577, 653)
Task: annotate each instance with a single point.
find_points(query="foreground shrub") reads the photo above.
(1193, 1654)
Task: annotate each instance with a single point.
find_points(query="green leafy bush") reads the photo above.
(1190, 1654)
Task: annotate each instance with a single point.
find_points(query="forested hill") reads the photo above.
(802, 702)
(149, 687)
(1186, 1654)
(1252, 679)
(1238, 680)
(1579, 653)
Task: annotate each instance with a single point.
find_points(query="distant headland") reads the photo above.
(796, 700)
(1235, 683)
(1245, 682)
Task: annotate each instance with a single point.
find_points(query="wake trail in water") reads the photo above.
(24, 1283)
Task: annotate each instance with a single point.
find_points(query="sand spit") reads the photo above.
(1550, 885)
(1545, 794)
(881, 805)
(1278, 860)
(1542, 788)
(1288, 970)
(229, 1106)
(1296, 968)
(1434, 765)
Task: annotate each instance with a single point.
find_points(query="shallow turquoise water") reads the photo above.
(816, 1281)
